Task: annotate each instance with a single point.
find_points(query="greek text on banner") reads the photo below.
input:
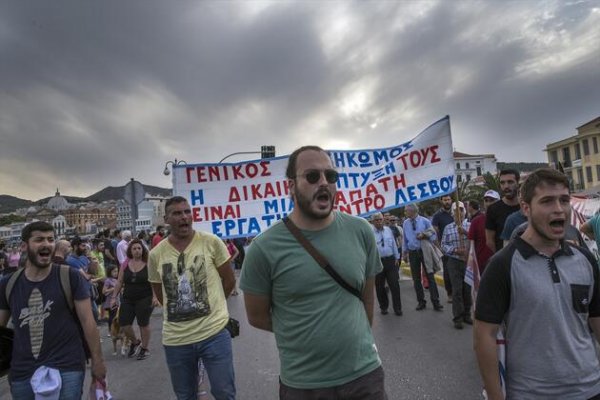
(243, 199)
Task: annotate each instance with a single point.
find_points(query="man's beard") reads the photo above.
(32, 257)
(303, 203)
(511, 194)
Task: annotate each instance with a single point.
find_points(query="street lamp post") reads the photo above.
(173, 163)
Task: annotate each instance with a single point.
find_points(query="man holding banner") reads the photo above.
(322, 329)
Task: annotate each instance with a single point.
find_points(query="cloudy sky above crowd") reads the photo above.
(95, 93)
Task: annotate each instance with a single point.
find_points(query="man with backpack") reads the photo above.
(52, 316)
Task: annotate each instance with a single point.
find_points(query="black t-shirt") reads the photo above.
(46, 332)
(495, 216)
(440, 220)
(137, 286)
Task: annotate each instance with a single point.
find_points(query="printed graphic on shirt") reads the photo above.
(186, 289)
(34, 316)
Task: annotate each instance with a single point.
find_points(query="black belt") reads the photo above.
(388, 257)
(414, 251)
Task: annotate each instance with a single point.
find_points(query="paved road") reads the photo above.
(424, 357)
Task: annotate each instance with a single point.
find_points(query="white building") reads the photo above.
(5, 233)
(144, 220)
(60, 226)
(469, 166)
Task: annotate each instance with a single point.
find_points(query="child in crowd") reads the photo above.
(109, 294)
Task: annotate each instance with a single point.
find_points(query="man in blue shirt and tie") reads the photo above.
(388, 252)
(416, 230)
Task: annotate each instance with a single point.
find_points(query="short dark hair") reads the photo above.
(510, 171)
(290, 171)
(540, 176)
(144, 249)
(173, 200)
(474, 204)
(110, 269)
(40, 226)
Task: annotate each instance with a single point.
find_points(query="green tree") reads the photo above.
(9, 219)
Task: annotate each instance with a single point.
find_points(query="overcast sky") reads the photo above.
(95, 93)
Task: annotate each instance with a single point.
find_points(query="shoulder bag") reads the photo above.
(322, 261)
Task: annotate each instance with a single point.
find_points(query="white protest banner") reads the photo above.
(243, 199)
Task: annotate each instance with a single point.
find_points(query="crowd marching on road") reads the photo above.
(312, 279)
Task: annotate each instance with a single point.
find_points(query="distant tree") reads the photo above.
(491, 182)
(11, 218)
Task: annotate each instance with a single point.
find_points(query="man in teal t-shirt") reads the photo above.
(592, 229)
(323, 332)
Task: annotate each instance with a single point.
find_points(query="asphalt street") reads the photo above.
(423, 356)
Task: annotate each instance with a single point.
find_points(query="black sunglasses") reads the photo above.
(313, 175)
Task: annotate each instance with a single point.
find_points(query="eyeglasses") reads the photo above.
(312, 176)
(488, 200)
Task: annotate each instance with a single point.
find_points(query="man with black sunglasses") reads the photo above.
(323, 332)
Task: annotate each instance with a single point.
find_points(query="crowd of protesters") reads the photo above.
(533, 264)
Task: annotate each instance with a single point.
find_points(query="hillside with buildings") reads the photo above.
(100, 211)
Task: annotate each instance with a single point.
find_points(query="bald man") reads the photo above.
(62, 249)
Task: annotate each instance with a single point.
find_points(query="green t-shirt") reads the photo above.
(322, 331)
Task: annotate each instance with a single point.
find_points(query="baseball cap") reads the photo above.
(493, 194)
(46, 383)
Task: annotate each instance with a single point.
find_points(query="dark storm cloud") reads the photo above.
(97, 93)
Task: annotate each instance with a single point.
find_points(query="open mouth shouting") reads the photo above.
(44, 254)
(557, 225)
(323, 199)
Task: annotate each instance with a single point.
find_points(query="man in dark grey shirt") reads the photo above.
(545, 291)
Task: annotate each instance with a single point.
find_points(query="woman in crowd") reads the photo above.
(138, 300)
(14, 257)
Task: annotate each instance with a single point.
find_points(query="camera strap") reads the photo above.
(322, 261)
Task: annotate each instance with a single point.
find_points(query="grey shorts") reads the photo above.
(367, 387)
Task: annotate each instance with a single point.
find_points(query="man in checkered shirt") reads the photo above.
(455, 246)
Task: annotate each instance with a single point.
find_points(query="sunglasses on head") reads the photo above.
(314, 175)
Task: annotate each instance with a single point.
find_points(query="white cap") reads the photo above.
(460, 205)
(493, 194)
(46, 383)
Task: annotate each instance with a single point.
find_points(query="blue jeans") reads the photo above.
(71, 389)
(215, 352)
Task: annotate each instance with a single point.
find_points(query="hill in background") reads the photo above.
(116, 193)
(10, 204)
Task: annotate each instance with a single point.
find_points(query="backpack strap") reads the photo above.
(11, 283)
(65, 283)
